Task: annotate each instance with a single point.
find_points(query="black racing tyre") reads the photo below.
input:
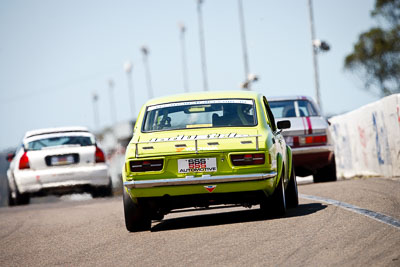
(11, 201)
(292, 195)
(103, 191)
(108, 190)
(278, 198)
(136, 218)
(23, 199)
(331, 170)
(327, 173)
(318, 176)
(20, 199)
(276, 204)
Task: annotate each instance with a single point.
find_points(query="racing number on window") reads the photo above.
(197, 163)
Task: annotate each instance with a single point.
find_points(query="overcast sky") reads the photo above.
(55, 54)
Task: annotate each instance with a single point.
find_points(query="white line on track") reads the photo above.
(371, 214)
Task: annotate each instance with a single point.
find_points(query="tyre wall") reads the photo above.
(367, 140)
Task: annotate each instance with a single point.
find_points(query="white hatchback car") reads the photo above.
(309, 136)
(57, 161)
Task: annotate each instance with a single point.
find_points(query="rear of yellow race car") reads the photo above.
(200, 163)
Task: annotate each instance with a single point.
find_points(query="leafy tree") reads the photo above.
(376, 55)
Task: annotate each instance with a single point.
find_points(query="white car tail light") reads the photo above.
(24, 162)
(312, 140)
(99, 155)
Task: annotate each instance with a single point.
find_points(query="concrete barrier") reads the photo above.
(367, 140)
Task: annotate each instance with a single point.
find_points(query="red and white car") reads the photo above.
(309, 136)
(57, 161)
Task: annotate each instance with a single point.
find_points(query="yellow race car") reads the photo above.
(204, 149)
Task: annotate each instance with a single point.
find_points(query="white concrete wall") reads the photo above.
(367, 140)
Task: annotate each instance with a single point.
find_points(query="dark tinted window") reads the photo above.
(282, 109)
(288, 108)
(200, 114)
(306, 109)
(60, 141)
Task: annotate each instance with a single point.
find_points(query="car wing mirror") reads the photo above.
(283, 124)
(329, 123)
(10, 157)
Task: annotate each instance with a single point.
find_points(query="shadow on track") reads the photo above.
(232, 217)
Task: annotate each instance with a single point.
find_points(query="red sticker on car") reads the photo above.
(309, 125)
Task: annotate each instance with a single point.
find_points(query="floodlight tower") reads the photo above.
(128, 70)
(95, 98)
(145, 52)
(113, 111)
(202, 45)
(317, 46)
(244, 45)
(182, 29)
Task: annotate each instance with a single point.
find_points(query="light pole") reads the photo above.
(128, 70)
(95, 98)
(202, 45)
(317, 46)
(112, 101)
(145, 52)
(184, 65)
(244, 46)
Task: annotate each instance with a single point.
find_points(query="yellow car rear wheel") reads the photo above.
(136, 218)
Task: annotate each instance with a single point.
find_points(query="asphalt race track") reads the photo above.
(317, 233)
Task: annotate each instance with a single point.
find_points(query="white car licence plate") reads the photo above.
(197, 165)
(62, 160)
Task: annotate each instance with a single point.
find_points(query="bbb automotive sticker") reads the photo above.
(197, 165)
(210, 188)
